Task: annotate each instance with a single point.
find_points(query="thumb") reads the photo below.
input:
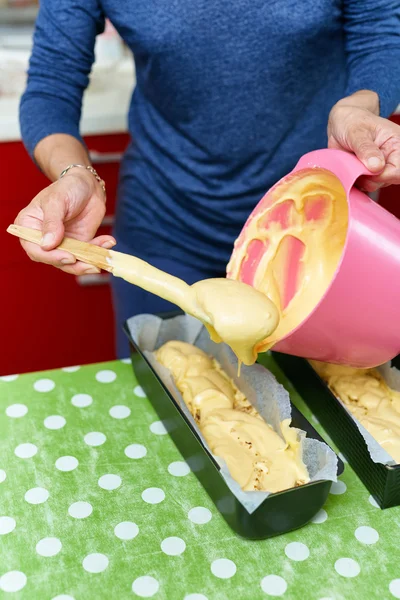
(364, 147)
(53, 225)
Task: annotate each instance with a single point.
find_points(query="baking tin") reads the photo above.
(279, 513)
(382, 481)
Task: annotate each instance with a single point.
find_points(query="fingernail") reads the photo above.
(68, 261)
(91, 270)
(108, 244)
(374, 162)
(47, 239)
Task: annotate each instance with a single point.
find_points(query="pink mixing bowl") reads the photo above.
(357, 321)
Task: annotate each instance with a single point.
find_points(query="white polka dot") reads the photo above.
(48, 546)
(66, 463)
(81, 400)
(106, 376)
(16, 410)
(95, 563)
(153, 495)
(7, 525)
(44, 385)
(135, 451)
(80, 509)
(196, 597)
(373, 502)
(36, 495)
(110, 481)
(71, 369)
(8, 377)
(159, 428)
(223, 568)
(366, 535)
(94, 438)
(13, 581)
(199, 515)
(126, 361)
(394, 588)
(297, 551)
(139, 392)
(54, 422)
(145, 586)
(63, 597)
(119, 411)
(273, 585)
(320, 517)
(25, 450)
(178, 468)
(173, 546)
(338, 487)
(126, 530)
(347, 567)
(342, 457)
(3, 475)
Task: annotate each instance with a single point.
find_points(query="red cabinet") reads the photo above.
(50, 319)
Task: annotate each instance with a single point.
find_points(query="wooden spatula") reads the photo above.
(226, 307)
(88, 253)
(134, 270)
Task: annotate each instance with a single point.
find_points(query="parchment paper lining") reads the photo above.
(256, 382)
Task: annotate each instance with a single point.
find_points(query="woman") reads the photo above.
(229, 95)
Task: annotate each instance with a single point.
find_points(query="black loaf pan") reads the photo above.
(382, 481)
(279, 513)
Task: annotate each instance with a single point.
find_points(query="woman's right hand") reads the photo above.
(73, 206)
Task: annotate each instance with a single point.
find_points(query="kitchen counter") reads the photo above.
(105, 103)
(96, 502)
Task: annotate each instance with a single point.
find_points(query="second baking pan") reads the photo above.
(382, 481)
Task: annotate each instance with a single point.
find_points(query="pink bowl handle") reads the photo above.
(345, 165)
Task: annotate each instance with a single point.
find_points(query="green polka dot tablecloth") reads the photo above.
(96, 502)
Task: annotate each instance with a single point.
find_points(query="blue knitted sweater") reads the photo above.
(230, 93)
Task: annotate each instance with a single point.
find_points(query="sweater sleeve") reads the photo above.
(372, 38)
(61, 60)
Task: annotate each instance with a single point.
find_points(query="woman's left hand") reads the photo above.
(354, 125)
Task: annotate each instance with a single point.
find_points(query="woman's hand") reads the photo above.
(73, 206)
(354, 125)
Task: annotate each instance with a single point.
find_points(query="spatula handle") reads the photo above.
(88, 253)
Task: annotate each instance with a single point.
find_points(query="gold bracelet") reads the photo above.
(88, 168)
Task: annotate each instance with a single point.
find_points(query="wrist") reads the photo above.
(81, 184)
(364, 99)
(86, 173)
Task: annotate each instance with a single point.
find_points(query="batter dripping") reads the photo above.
(250, 321)
(233, 312)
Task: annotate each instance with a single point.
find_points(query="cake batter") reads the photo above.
(292, 246)
(367, 396)
(233, 312)
(256, 456)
